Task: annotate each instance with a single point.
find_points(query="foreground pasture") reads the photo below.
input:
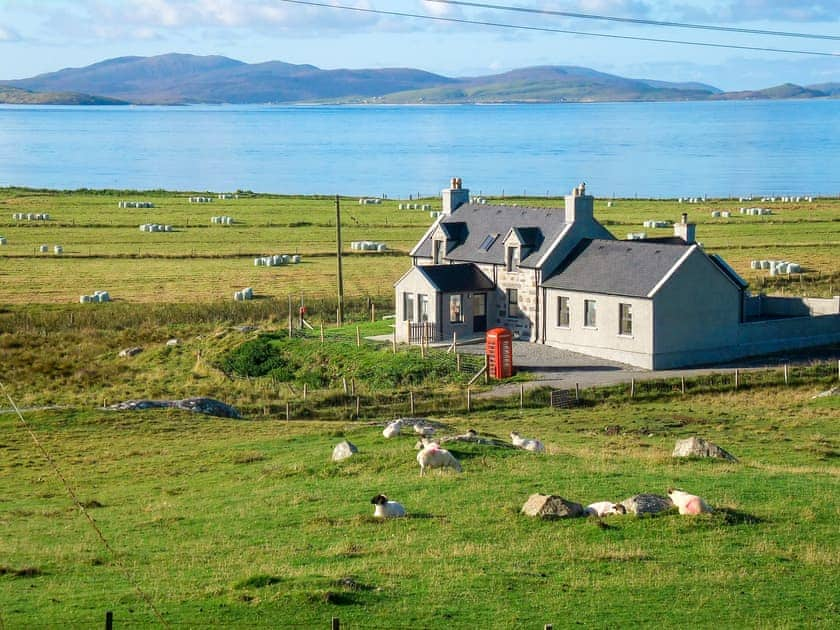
(248, 523)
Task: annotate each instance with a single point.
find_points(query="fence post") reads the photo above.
(290, 316)
(469, 399)
(737, 378)
(521, 395)
(394, 341)
(288, 412)
(109, 620)
(358, 338)
(632, 387)
(322, 332)
(838, 369)
(353, 386)
(577, 392)
(372, 312)
(304, 391)
(486, 375)
(786, 373)
(336, 625)
(682, 383)
(358, 404)
(344, 384)
(411, 403)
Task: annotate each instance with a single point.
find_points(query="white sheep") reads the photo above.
(528, 444)
(383, 508)
(433, 456)
(688, 503)
(426, 430)
(604, 508)
(393, 429)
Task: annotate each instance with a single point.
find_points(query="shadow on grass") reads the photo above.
(736, 517)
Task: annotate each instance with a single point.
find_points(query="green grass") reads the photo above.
(248, 523)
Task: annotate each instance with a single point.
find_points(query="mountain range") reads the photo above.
(180, 79)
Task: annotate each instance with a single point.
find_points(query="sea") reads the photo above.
(645, 150)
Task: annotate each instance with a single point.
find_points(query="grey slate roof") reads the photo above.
(631, 268)
(460, 277)
(474, 222)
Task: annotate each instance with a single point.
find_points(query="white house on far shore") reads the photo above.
(556, 276)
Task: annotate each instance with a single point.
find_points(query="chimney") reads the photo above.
(684, 229)
(454, 196)
(579, 205)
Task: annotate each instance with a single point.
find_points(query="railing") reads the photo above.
(422, 333)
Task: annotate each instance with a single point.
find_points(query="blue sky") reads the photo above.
(42, 35)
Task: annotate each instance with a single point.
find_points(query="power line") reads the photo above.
(143, 595)
(611, 18)
(543, 29)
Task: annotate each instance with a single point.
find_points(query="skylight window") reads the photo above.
(487, 243)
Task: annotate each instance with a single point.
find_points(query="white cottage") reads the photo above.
(557, 276)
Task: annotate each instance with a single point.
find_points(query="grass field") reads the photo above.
(200, 261)
(246, 523)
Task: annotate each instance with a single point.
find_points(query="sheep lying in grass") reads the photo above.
(688, 503)
(433, 456)
(604, 508)
(528, 444)
(383, 508)
(393, 429)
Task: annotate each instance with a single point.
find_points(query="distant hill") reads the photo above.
(176, 78)
(552, 84)
(784, 91)
(17, 96)
(183, 79)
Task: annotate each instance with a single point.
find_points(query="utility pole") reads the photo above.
(340, 312)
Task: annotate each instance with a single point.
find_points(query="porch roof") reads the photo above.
(452, 278)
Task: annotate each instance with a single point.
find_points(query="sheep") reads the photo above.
(433, 456)
(426, 430)
(393, 429)
(528, 444)
(604, 508)
(385, 508)
(688, 503)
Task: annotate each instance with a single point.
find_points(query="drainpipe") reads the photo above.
(537, 319)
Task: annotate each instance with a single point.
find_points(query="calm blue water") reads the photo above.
(622, 149)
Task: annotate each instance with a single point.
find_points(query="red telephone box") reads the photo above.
(499, 351)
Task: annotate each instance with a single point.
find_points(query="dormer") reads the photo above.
(519, 243)
(445, 238)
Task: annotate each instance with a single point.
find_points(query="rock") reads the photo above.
(834, 391)
(246, 329)
(343, 450)
(613, 429)
(207, 406)
(550, 506)
(698, 447)
(130, 352)
(647, 504)
(173, 342)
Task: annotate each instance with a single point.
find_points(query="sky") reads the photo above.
(38, 36)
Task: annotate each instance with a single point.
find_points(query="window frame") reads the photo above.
(590, 313)
(513, 309)
(625, 315)
(422, 307)
(409, 306)
(563, 308)
(459, 299)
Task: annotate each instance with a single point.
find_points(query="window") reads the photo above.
(562, 311)
(437, 248)
(510, 258)
(625, 319)
(408, 307)
(422, 307)
(456, 313)
(487, 243)
(589, 313)
(513, 303)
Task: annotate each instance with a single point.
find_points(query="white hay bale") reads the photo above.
(44, 249)
(84, 299)
(296, 258)
(58, 249)
(2, 240)
(238, 296)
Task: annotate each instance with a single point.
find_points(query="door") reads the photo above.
(479, 309)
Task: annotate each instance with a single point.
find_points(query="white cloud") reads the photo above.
(8, 34)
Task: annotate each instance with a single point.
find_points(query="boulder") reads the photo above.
(698, 447)
(173, 342)
(550, 506)
(343, 450)
(647, 504)
(130, 352)
(208, 406)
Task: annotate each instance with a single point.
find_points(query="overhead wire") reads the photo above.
(545, 29)
(640, 21)
(74, 497)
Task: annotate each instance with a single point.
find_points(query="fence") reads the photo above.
(422, 332)
(348, 401)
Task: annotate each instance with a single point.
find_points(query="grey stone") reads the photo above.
(550, 506)
(647, 504)
(207, 406)
(698, 447)
(130, 352)
(173, 342)
(343, 450)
